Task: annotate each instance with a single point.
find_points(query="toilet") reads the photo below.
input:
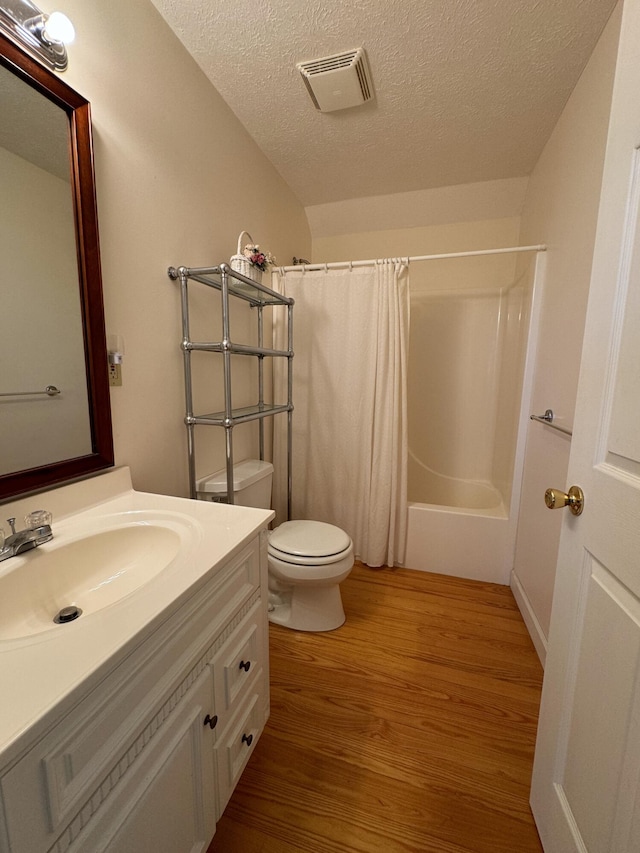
(307, 560)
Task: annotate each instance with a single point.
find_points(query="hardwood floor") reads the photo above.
(409, 730)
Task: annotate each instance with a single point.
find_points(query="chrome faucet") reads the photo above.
(37, 531)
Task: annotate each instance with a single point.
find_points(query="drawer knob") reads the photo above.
(212, 722)
(248, 739)
(245, 665)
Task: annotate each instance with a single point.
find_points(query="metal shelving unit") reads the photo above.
(231, 284)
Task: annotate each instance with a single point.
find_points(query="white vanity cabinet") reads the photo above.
(148, 758)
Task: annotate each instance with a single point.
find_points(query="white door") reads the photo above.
(586, 783)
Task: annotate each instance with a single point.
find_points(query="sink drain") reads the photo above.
(67, 614)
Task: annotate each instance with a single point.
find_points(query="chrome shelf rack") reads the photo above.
(230, 283)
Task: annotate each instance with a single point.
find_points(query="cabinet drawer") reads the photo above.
(239, 663)
(235, 747)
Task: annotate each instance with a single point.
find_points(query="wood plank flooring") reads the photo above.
(409, 730)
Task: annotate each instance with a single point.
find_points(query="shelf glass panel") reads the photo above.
(247, 413)
(239, 285)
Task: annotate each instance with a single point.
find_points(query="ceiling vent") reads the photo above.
(337, 82)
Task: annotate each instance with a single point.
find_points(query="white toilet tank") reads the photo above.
(251, 484)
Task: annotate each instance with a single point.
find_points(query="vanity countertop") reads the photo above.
(42, 674)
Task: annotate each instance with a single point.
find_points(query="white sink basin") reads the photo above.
(115, 557)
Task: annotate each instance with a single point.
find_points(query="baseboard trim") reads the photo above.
(530, 620)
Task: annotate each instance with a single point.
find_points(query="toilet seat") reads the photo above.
(297, 560)
(309, 543)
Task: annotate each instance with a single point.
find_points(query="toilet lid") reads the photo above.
(309, 539)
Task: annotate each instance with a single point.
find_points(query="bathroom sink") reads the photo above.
(87, 571)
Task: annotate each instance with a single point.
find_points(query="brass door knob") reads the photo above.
(574, 499)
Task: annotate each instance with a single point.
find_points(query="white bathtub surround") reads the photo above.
(468, 325)
(350, 422)
(473, 341)
(445, 490)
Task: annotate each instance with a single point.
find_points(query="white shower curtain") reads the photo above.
(351, 331)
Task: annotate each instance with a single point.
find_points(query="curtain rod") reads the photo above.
(412, 259)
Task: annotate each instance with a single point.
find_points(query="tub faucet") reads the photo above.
(37, 531)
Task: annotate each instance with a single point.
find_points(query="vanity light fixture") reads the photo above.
(43, 36)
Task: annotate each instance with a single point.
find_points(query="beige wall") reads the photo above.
(560, 210)
(177, 180)
(462, 203)
(423, 240)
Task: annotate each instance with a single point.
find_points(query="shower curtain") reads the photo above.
(351, 330)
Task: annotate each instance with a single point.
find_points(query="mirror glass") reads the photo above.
(54, 405)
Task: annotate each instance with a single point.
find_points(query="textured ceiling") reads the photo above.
(466, 90)
(33, 127)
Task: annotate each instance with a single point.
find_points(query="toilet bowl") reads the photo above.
(307, 562)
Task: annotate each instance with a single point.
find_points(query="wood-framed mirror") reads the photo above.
(51, 314)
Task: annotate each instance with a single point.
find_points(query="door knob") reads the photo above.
(574, 499)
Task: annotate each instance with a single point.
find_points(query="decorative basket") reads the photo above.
(243, 265)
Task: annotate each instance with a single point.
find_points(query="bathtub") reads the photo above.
(465, 529)
(460, 541)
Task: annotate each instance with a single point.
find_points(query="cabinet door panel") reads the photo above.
(171, 806)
